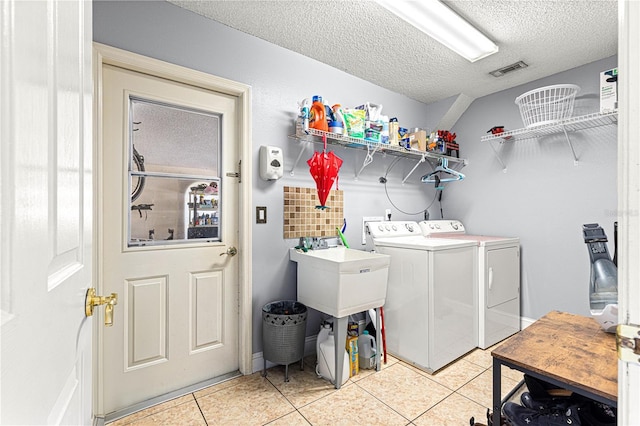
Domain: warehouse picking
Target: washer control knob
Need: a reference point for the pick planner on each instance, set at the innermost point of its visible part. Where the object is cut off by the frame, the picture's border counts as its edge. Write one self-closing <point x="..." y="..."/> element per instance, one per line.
<point x="454" y="225"/>
<point x="381" y="228"/>
<point x="395" y="228"/>
<point x="409" y="227"/>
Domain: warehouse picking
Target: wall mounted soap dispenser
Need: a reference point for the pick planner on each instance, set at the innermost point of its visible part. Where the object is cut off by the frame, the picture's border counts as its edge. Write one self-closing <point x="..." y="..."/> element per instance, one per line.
<point x="271" y="162"/>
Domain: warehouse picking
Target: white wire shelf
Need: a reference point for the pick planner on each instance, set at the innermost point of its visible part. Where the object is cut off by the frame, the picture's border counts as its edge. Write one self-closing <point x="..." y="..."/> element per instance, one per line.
<point x="572" y="124"/>
<point x="371" y="147"/>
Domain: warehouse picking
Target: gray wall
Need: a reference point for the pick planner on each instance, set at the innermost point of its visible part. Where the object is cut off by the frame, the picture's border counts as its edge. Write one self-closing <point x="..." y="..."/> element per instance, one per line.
<point x="543" y="197"/>
<point x="279" y="78"/>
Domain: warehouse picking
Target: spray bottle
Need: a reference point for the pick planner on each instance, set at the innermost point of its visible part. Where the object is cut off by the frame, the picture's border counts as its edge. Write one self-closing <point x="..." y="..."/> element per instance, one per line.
<point x="337" y="113"/>
<point x="304" y="113"/>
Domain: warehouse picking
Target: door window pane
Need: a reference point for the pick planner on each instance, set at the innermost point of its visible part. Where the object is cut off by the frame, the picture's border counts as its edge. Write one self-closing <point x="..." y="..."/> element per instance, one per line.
<point x="174" y="139"/>
<point x="174" y="175"/>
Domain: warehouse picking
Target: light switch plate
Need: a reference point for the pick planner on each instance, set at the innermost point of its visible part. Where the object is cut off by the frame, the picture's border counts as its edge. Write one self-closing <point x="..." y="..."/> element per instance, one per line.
<point x="261" y="214"/>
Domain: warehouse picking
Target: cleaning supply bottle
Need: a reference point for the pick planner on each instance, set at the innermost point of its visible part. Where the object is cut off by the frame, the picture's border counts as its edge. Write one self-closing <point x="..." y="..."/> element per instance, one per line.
<point x="326" y="356"/>
<point x="317" y="115"/>
<point x="337" y="113"/>
<point x="304" y="114"/>
<point x="393" y="131"/>
<point x="366" y="350"/>
<point x="384" y="134"/>
<point x="325" y="329"/>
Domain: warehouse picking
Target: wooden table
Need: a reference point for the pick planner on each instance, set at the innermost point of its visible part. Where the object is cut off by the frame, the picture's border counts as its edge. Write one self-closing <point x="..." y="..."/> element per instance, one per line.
<point x="569" y="351"/>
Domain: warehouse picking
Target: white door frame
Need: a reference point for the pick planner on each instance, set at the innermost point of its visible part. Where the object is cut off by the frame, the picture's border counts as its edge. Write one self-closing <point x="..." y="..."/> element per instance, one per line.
<point x="629" y="198"/>
<point x="103" y="54"/>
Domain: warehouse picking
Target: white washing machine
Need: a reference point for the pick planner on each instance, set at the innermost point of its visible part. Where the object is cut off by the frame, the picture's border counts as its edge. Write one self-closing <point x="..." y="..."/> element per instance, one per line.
<point x="429" y="314"/>
<point x="498" y="279"/>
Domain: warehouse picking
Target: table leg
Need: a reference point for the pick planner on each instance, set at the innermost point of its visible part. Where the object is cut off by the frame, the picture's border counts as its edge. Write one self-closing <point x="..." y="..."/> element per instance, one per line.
<point x="497" y="392"/>
<point x="340" y="341"/>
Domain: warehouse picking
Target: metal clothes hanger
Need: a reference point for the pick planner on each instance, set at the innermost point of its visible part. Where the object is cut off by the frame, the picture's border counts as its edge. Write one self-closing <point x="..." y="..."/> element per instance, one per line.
<point x="443" y="167"/>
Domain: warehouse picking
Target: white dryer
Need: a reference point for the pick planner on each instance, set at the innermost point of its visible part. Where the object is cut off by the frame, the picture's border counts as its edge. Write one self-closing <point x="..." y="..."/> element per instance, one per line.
<point x="429" y="314"/>
<point x="498" y="279"/>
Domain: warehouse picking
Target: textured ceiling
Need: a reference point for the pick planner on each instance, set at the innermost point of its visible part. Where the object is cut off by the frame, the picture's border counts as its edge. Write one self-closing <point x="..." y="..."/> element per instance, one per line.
<point x="365" y="40"/>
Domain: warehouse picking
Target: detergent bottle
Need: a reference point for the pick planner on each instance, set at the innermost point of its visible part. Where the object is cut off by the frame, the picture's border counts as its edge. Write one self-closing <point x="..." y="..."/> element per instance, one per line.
<point x="326" y="356"/>
<point x="366" y="350"/>
<point x="317" y="115"/>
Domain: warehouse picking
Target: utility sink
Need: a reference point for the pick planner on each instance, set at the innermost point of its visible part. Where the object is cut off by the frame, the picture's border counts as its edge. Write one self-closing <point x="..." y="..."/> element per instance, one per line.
<point x="340" y="281"/>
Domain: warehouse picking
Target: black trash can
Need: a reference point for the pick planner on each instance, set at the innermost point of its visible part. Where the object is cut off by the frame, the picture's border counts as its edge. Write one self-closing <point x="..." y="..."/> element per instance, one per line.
<point x="283" y="332"/>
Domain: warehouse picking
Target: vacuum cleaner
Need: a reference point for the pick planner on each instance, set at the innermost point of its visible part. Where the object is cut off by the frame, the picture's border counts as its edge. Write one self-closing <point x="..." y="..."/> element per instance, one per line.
<point x="603" y="283"/>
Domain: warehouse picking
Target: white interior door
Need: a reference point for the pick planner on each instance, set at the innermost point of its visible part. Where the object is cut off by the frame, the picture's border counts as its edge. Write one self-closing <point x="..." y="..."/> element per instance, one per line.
<point x="46" y="216"/>
<point x="176" y="322"/>
<point x="629" y="201"/>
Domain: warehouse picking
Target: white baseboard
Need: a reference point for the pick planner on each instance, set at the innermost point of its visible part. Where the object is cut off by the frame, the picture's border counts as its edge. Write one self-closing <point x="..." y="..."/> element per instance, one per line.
<point x="258" y="359"/>
<point x="525" y="322"/>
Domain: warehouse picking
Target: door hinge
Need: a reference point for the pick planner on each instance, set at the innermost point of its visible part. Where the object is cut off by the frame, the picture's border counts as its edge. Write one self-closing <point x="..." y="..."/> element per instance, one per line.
<point x="628" y="343"/>
<point x="236" y="174"/>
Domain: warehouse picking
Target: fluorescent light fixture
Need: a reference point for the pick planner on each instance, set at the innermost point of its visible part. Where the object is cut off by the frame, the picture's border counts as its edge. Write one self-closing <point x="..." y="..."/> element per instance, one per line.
<point x="444" y="25"/>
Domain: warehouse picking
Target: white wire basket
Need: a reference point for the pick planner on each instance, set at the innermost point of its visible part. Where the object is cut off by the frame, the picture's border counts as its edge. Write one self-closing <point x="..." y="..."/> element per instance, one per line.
<point x="547" y="105"/>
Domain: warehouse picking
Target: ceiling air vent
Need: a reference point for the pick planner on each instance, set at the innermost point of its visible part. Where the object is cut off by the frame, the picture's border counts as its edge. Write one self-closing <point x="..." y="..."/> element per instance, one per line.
<point x="509" y="68"/>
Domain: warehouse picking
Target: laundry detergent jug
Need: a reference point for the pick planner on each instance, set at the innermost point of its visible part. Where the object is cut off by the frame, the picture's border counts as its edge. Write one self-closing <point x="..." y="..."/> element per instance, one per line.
<point x="317" y="115"/>
<point x="326" y="356"/>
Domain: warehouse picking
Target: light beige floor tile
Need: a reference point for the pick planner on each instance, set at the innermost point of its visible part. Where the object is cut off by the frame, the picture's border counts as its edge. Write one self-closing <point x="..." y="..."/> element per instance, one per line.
<point x="303" y="387"/>
<point x="187" y="414"/>
<point x="292" y="419"/>
<point x="404" y="390"/>
<point x="366" y="373"/>
<point x="455" y="375"/>
<point x="455" y="410"/>
<point x="223" y="385"/>
<point x="480" y="388"/>
<point x="250" y="402"/>
<point x="152" y="410"/>
<point x="479" y="357"/>
<point x="348" y="406"/>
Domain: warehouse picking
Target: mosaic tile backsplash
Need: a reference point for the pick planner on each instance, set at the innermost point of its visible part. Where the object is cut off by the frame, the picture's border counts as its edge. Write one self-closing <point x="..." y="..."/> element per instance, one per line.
<point x="302" y="219"/>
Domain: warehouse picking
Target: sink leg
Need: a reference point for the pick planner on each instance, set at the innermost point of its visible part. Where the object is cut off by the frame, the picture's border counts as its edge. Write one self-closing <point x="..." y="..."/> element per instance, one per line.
<point x="339" y="340"/>
<point x="378" y="338"/>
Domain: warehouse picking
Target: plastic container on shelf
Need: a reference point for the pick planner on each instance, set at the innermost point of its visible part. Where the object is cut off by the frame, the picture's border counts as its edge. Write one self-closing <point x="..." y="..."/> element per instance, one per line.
<point x="547" y="105"/>
<point x="393" y="131"/>
<point x="337" y="113"/>
<point x="336" y="127"/>
<point x="317" y="115"/>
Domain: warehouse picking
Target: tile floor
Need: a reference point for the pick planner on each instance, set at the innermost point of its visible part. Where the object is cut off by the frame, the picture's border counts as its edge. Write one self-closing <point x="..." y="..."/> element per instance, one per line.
<point x="398" y="394"/>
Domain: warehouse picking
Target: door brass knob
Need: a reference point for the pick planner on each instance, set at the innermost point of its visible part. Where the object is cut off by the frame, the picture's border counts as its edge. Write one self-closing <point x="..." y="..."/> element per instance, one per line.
<point x="231" y="251"/>
<point x="91" y="300"/>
